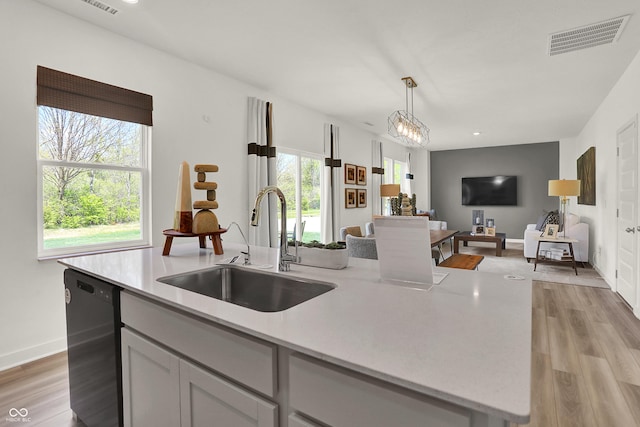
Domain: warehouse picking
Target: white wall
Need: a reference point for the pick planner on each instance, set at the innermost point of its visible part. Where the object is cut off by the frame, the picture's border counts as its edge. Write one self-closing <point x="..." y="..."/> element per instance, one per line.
<point x="617" y="109"/>
<point x="31" y="298"/>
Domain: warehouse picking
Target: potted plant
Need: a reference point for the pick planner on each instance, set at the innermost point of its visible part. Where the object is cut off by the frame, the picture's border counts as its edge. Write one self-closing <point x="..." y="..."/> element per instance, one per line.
<point x="315" y="254"/>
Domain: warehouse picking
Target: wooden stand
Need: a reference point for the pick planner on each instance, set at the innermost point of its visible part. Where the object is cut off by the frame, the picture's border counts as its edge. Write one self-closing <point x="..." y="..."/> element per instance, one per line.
<point x="215" y="239"/>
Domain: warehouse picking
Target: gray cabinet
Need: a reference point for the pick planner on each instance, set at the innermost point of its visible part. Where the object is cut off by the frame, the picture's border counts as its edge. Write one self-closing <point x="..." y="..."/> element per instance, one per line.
<point x="209" y="400"/>
<point x="342" y="398"/>
<point x="151" y="384"/>
<point x="161" y="389"/>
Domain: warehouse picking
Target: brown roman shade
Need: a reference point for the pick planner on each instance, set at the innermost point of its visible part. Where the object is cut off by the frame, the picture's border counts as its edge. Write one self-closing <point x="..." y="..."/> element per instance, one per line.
<point x="68" y="92"/>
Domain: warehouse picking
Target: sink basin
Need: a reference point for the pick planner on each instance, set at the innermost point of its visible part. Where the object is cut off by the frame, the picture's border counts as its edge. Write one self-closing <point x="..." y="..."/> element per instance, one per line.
<point x="259" y="291"/>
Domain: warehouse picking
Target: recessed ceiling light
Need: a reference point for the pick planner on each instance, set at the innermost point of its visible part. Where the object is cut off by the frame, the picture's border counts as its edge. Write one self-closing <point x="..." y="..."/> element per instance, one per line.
<point x="476" y="133"/>
<point x="130" y="1"/>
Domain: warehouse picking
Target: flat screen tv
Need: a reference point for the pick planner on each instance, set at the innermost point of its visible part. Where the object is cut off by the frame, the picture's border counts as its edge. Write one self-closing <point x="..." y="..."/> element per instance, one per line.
<point x="497" y="190"/>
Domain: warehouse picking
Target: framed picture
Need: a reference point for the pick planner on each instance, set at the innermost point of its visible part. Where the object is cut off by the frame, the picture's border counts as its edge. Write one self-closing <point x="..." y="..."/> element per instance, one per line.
<point x="490" y="231"/>
<point x="362" y="175"/>
<point x="362" y="198"/>
<point x="349" y="174"/>
<point x="350" y="197"/>
<point x="551" y="231"/>
<point x="477" y="230"/>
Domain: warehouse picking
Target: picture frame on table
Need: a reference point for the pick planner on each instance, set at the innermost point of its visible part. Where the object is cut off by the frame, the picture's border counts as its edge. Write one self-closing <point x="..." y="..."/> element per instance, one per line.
<point x="477" y="230"/>
<point x="490" y="231"/>
<point x="361" y="174"/>
<point x="551" y="231"/>
<point x="349" y="173"/>
<point x="350" y="200"/>
<point x="362" y="198"/>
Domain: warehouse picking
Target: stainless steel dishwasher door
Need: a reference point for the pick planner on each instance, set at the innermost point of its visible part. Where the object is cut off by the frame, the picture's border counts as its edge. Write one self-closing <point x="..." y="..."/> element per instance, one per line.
<point x="93" y="347"/>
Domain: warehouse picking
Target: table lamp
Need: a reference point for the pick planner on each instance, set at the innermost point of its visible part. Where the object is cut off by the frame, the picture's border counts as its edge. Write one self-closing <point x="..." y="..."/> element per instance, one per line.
<point x="389" y="190"/>
<point x="564" y="188"/>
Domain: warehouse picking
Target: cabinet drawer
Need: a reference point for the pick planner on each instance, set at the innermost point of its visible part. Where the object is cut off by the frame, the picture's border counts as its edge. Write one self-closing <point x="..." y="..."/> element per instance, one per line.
<point x="245" y="359"/>
<point x="339" y="397"/>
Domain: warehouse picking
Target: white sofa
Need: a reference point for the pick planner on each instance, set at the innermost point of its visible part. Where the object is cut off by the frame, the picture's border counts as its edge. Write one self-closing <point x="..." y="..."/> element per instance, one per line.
<point x="574" y="230"/>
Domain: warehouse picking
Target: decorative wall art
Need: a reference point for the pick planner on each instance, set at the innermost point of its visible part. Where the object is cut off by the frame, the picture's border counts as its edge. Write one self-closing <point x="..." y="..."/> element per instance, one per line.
<point x="349" y="173"/>
<point x="350" y="198"/>
<point x="362" y="175"/>
<point x="587" y="176"/>
<point x="362" y="198"/>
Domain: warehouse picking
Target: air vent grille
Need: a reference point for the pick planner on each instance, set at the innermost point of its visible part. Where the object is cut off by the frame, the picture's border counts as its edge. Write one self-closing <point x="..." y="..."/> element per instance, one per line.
<point x="102" y="6"/>
<point x="597" y="34"/>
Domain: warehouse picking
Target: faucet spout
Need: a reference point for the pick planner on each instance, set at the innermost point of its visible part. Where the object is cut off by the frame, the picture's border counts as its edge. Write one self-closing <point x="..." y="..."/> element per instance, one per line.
<point x="285" y="257"/>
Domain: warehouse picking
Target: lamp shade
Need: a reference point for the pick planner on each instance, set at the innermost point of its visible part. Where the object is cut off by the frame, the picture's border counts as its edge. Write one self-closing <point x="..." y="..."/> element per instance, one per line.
<point x="389" y="190"/>
<point x="564" y="187"/>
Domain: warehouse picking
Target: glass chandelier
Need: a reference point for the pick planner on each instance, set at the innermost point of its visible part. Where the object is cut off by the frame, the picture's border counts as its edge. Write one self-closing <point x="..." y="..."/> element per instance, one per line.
<point x="403" y="125"/>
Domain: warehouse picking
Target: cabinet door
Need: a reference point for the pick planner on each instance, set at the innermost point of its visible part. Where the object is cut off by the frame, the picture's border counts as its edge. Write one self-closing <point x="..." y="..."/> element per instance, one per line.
<point x="206" y="398"/>
<point x="150" y="383"/>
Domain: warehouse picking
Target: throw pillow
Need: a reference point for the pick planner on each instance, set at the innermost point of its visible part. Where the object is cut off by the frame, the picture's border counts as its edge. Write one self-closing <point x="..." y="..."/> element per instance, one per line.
<point x="541" y="220"/>
<point x="552" y="218"/>
<point x="354" y="231"/>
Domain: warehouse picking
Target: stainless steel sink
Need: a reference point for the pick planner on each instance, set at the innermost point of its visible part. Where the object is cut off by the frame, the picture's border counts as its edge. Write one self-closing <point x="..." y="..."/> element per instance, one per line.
<point x="259" y="291"/>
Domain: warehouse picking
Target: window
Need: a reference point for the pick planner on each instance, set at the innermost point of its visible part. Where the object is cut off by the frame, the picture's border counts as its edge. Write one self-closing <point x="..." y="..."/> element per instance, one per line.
<point x="299" y="176"/>
<point x="93" y="173"/>
<point x="394" y="173"/>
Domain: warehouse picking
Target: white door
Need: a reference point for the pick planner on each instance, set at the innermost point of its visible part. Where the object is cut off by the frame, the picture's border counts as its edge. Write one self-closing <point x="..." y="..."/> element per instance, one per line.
<point x="627" y="159"/>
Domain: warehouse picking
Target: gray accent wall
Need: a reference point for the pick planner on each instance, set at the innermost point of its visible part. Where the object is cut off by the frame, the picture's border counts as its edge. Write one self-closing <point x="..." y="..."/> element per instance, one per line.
<point x="533" y="164"/>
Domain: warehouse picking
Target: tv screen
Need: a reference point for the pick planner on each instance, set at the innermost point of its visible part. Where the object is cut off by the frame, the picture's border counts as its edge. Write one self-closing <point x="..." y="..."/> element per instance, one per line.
<point x="490" y="191"/>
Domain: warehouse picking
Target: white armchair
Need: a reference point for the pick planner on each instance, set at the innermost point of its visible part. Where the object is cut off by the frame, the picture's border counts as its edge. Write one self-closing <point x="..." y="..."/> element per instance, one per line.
<point x="574" y="229"/>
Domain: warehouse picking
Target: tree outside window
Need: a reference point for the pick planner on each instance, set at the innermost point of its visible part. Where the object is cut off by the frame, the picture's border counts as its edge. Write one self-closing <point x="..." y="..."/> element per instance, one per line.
<point x="92" y="175"/>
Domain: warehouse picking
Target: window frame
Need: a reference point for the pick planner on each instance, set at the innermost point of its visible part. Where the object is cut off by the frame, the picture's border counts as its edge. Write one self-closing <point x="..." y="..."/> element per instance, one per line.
<point x="145" y="199"/>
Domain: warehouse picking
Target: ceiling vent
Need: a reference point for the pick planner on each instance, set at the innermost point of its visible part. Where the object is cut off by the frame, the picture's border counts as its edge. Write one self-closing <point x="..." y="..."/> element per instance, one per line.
<point x="605" y="32"/>
<point x="103" y="7"/>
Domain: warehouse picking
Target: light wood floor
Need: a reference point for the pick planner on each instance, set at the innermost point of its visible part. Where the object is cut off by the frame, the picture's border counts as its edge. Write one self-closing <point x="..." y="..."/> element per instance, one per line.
<point x="585" y="366"/>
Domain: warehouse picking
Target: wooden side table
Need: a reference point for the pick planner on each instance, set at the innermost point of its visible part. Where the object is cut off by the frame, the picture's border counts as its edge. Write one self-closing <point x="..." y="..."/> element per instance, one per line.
<point x="215" y="239"/>
<point x="567" y="241"/>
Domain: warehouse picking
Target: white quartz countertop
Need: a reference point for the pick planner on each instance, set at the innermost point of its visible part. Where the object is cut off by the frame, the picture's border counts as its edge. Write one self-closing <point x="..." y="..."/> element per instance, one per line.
<point x="466" y="340"/>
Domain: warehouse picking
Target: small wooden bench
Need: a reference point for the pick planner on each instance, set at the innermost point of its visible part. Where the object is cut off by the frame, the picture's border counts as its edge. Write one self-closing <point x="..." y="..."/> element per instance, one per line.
<point x="464" y="261"/>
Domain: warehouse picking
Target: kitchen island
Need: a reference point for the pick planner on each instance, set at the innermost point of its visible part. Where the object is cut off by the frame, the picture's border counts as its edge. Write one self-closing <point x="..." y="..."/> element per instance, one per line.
<point x="457" y="353"/>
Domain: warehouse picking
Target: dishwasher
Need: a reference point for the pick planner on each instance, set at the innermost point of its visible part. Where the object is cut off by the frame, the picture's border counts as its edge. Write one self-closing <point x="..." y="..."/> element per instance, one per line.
<point x="93" y="348"/>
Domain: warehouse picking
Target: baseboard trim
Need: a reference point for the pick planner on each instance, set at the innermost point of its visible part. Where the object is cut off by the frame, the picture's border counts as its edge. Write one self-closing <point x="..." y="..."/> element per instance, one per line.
<point x="26" y="355"/>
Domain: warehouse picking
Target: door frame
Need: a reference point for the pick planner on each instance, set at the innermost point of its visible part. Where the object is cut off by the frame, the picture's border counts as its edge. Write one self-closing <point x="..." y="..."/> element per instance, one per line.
<point x="635" y="305"/>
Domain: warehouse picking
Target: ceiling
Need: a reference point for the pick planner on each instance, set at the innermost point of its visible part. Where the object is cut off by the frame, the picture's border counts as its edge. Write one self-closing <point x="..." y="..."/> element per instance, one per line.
<point x="480" y="65"/>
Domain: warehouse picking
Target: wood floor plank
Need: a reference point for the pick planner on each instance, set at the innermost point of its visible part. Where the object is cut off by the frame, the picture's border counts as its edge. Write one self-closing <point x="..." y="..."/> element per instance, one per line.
<point x="537" y="295"/>
<point x="585" y="297"/>
<point x="543" y="408"/>
<point x="624" y="366"/>
<point x="550" y="302"/>
<point x="609" y="405"/>
<point x="539" y="332"/>
<point x="582" y="333"/>
<point x="636" y="354"/>
<point x="567" y="298"/>
<point x="564" y="356"/>
<point x="632" y="395"/>
<point x="572" y="400"/>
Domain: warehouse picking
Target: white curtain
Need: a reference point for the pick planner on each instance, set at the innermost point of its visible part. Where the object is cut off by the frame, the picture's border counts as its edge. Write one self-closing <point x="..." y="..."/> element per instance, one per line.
<point x="330" y="207"/>
<point x="408" y="175"/>
<point x="262" y="171"/>
<point x="377" y="166"/>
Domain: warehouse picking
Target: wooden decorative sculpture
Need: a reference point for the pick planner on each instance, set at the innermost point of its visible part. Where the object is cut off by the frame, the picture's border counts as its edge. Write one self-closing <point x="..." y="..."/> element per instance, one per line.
<point x="205" y="221"/>
<point x="183" y="219"/>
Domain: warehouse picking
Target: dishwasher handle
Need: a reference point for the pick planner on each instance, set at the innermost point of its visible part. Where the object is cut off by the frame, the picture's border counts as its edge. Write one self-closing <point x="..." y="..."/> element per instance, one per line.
<point x="85" y="287"/>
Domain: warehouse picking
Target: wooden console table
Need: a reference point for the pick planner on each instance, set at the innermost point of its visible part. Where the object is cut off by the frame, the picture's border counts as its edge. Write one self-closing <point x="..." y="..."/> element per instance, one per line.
<point x="215" y="239"/>
<point x="570" y="258"/>
<point x="465" y="236"/>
